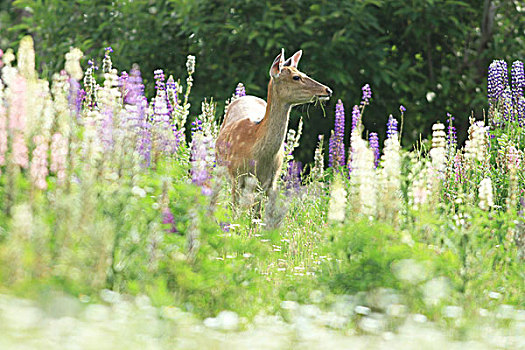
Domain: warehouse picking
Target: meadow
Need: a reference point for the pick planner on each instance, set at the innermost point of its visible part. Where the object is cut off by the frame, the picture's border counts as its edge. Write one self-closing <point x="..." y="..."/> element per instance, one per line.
<point x="116" y="223"/>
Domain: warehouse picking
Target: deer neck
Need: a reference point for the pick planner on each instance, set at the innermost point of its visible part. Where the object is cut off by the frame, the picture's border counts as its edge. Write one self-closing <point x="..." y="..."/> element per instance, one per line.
<point x="272" y="129"/>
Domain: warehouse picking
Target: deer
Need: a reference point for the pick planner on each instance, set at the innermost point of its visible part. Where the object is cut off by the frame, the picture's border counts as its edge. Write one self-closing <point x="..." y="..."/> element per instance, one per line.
<point x="251" y="138"/>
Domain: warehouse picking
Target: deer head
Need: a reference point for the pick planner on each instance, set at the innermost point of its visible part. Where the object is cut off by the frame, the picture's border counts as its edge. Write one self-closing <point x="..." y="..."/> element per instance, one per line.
<point x="292" y="86"/>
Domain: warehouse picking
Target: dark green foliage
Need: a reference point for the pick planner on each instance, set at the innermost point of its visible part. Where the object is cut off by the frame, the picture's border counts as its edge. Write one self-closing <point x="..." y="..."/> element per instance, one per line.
<point x="403" y="49"/>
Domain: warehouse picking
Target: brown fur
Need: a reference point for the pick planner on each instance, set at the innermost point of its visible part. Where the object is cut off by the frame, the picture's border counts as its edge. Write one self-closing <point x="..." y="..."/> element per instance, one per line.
<point x="247" y="146"/>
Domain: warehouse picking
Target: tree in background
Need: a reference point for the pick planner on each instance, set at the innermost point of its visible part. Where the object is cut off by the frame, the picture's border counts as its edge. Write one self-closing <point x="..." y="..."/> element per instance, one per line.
<point x="428" y="55"/>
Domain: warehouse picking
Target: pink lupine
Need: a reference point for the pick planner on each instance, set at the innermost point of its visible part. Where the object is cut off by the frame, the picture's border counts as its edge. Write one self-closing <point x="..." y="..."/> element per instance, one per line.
<point x="17" y="120"/>
<point x="19" y="151"/>
<point x="39" y="163"/>
<point x="17" y="104"/>
<point x="3" y="134"/>
<point x="59" y="152"/>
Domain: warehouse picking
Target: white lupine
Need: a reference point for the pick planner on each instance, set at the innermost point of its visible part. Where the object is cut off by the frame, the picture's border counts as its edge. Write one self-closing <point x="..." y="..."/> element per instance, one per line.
<point x="3" y="126"/>
<point x="337" y="204"/>
<point x="438" y="151"/>
<point x="60" y="91"/>
<point x="72" y="65"/>
<point x="476" y="145"/>
<point x="389" y="175"/>
<point x="318" y="168"/>
<point x="486" y="200"/>
<point x="26" y="58"/>
<point x="363" y="176"/>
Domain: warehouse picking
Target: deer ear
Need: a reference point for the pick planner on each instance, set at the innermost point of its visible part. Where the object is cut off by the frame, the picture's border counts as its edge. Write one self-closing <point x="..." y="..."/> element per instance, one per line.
<point x="294" y="60"/>
<point x="277" y="65"/>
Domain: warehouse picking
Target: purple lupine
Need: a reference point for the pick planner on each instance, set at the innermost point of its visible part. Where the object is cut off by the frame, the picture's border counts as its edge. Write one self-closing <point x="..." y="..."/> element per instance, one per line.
<point x="517" y="78"/>
<point x="136" y="105"/>
<point x="106" y="129"/>
<point x="497" y="80"/>
<point x="331" y="150"/>
<point x="171" y="92"/>
<point x="518" y="84"/>
<point x="391" y="127"/>
<point x="356" y="117"/>
<point x="402" y="109"/>
<point x="160" y="104"/>
<point x="451" y="134"/>
<point x="506" y="103"/>
<point x="106" y="62"/>
<point x="292" y="178"/>
<point x="367" y="95"/>
<point x="240" y="91"/>
<point x="373" y="141"/>
<point x="201" y="160"/>
<point x="169" y="219"/>
<point x="336" y="147"/>
<point x="196" y="126"/>
<point x="75" y="97"/>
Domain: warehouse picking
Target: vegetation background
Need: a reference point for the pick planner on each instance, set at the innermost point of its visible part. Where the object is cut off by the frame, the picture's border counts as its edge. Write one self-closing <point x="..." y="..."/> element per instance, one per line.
<point x="429" y="55"/>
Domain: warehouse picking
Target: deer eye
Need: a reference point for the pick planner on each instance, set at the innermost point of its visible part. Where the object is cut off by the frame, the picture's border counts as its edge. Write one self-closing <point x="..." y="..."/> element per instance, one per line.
<point x="296" y="77"/>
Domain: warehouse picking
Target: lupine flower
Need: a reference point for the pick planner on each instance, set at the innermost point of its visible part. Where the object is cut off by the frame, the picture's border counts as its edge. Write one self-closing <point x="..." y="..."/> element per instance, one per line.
<point x="367" y="95"/>
<point x="373" y="141"/>
<point x="160" y="105"/>
<point x="497" y="80"/>
<point x="75" y="97"/>
<point x="292" y="178"/>
<point x="389" y="177"/>
<point x="136" y="108"/>
<point x="451" y="134"/>
<point x="356" y="117"/>
<point x="318" y="168"/>
<point x="202" y="158"/>
<point x="459" y="169"/>
<point x="169" y="219"/>
<point x="438" y="152"/>
<point x="336" y="144"/>
<point x="363" y="177"/>
<point x="517" y="78"/>
<point x="72" y="65"/>
<point x="476" y="144"/>
<point x="518" y="83"/>
<point x="240" y="91"/>
<point x="402" y="109"/>
<point x="486" y="200"/>
<point x="391" y="127"/>
<point x="513" y="158"/>
<point x="190" y="64"/>
<point x="106" y="62"/>
<point x="26" y="58"/>
<point x="171" y="94"/>
<point x="59" y="151"/>
<point x="17" y="121"/>
<point x="3" y="125"/>
<point x="90" y="86"/>
<point x="337" y="203"/>
<point x="38" y="168"/>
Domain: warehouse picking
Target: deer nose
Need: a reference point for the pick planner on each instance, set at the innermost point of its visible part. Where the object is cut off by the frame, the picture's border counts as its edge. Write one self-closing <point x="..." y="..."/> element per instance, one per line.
<point x="329" y="91"/>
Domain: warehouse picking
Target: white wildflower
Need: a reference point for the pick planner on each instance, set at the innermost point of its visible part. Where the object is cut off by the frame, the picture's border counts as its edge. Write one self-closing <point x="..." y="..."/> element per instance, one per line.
<point x="437" y="153"/>
<point x="476" y="145"/>
<point x="72" y="65"/>
<point x="390" y="176"/>
<point x="486" y="200"/>
<point x="363" y="177"/>
<point x="337" y="205"/>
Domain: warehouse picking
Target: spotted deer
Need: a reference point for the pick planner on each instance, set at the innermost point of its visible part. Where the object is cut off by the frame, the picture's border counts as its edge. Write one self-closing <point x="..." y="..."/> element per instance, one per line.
<point x="251" y="137"/>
